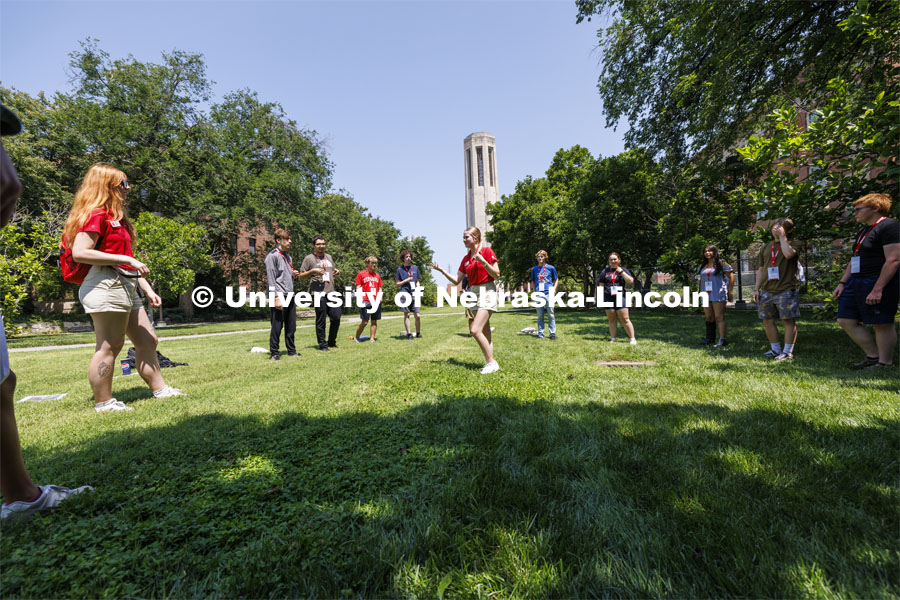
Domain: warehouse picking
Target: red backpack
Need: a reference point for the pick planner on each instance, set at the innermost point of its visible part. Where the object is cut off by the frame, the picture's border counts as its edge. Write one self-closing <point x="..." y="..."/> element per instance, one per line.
<point x="74" y="272"/>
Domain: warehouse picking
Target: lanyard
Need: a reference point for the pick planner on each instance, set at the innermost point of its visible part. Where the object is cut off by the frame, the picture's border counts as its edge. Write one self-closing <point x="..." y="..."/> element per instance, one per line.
<point x="286" y="259"/>
<point x="323" y="262"/>
<point x="541" y="274"/>
<point x="861" y="237"/>
<point x="409" y="272"/>
<point x="775" y="250"/>
<point x="708" y="271"/>
<point x="613" y="275"/>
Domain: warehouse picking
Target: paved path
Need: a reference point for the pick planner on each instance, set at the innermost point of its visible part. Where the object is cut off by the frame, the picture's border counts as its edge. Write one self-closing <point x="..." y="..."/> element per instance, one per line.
<point x="203" y="335"/>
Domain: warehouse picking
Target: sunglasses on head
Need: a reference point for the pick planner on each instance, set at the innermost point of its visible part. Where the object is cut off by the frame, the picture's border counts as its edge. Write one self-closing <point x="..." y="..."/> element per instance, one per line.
<point x="125" y="185"/>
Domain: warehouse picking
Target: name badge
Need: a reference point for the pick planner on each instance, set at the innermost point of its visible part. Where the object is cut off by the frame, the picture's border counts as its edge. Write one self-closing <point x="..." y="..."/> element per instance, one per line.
<point x="854" y="264"/>
<point x="773" y="273"/>
<point x="326" y="277"/>
<point x="115" y="224"/>
<point x="707" y="286"/>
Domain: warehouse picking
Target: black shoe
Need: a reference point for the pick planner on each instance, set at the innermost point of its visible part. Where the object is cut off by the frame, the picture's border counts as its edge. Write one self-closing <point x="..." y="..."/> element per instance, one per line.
<point x="552" y="336"/>
<point x="275" y="357"/>
<point x="705" y="342"/>
<point x="865" y="363"/>
<point x="418" y="335"/>
<point x="332" y="345"/>
<point x="409" y="336"/>
<point x="323" y="348"/>
<point x="294" y="354"/>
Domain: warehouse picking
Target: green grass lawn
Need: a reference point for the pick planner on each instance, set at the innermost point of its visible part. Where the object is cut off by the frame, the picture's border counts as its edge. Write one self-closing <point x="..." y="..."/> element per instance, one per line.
<point x="395" y="469"/>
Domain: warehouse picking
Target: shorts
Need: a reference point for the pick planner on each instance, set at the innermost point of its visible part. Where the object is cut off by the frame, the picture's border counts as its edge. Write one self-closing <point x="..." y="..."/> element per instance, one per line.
<point x="4" y="355"/>
<point x="488" y="298"/>
<point x="106" y="290"/>
<point x="613" y="302"/>
<point x="852" y="303"/>
<point x="365" y="315"/>
<point x="784" y="304"/>
<point x="413" y="307"/>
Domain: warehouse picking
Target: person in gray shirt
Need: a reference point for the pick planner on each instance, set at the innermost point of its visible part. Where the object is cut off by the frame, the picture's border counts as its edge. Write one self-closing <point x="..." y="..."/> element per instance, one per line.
<point x="319" y="268"/>
<point x="281" y="272"/>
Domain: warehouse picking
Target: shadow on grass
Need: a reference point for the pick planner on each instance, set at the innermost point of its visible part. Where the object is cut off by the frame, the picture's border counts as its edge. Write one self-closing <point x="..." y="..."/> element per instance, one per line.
<point x="524" y="499"/>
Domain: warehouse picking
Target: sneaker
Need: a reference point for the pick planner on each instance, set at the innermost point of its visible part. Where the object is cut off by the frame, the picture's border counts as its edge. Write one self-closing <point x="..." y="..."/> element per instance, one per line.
<point x="705" y="342"/>
<point x="355" y="339"/>
<point x="167" y="392"/>
<point x="771" y="354"/>
<point x="633" y="342"/>
<point x="612" y="340"/>
<point x="275" y="357"/>
<point x="721" y="343"/>
<point x="552" y="336"/>
<point x="295" y="354"/>
<point x="878" y="365"/>
<point x="372" y="340"/>
<point x="409" y="336"/>
<point x="418" y="335"/>
<point x="491" y="367"/>
<point x="51" y="496"/>
<point x="323" y="348"/>
<point x="111" y="405"/>
<point x="540" y="336"/>
<point x="865" y="363"/>
<point x="492" y="328"/>
<point x="784" y="356"/>
<point x="330" y="345"/>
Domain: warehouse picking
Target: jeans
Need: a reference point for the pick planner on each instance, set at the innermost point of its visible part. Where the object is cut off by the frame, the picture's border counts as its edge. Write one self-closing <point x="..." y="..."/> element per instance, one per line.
<point x="286" y="317"/>
<point x="541" y="310"/>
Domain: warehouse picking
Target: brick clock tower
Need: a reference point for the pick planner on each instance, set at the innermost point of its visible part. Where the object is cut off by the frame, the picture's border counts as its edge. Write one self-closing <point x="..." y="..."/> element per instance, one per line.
<point x="480" y="155"/>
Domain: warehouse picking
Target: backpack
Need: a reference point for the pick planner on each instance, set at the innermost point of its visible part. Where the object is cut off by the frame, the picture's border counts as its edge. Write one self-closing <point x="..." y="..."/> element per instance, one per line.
<point x="164" y="362"/>
<point x="74" y="272"/>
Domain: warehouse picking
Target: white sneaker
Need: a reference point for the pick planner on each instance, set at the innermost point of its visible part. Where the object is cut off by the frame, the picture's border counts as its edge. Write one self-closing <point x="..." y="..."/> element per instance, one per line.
<point x="491" y="367"/>
<point x="111" y="405"/>
<point x="51" y="496"/>
<point x="166" y="392"/>
<point x="612" y="340"/>
<point x="633" y="342"/>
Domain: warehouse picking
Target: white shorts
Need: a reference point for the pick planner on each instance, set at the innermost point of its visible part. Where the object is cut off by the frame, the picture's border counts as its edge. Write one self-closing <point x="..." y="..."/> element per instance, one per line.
<point x="4" y="355"/>
<point x="489" y="300"/>
<point x="106" y="290"/>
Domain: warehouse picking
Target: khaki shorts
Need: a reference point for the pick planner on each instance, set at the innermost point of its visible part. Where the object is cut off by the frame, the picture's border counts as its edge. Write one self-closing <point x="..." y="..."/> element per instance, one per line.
<point x="489" y="300"/>
<point x="105" y="290"/>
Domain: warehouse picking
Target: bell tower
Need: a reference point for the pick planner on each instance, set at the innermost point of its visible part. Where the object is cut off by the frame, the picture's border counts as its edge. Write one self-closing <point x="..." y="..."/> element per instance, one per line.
<point x="480" y="156"/>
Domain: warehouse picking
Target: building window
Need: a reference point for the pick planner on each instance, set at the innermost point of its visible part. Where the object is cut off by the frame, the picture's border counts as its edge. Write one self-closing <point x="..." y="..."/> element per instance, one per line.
<point x="469" y="167"/>
<point x="491" y="164"/>
<point x="252" y="242"/>
<point x="479" y="156"/>
<point x="813" y="116"/>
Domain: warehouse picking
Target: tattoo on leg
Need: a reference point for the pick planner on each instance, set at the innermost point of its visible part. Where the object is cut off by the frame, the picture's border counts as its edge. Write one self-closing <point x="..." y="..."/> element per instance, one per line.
<point x="103" y="369"/>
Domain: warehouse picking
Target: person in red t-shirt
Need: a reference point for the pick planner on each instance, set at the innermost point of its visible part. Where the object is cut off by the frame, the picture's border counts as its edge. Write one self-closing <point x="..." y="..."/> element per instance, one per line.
<point x="99" y="233"/>
<point x="369" y="282"/>
<point x="480" y="266"/>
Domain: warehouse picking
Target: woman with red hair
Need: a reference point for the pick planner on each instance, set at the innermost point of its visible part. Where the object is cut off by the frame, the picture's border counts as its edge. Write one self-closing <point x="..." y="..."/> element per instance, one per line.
<point x="100" y="234"/>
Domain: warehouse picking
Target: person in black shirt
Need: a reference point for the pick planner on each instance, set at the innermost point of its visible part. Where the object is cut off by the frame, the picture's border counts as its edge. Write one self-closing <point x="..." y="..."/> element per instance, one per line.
<point x="614" y="278"/>
<point x="869" y="290"/>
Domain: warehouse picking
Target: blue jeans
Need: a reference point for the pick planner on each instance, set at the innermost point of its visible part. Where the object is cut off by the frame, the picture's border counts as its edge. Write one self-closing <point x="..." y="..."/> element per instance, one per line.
<point x="541" y="310"/>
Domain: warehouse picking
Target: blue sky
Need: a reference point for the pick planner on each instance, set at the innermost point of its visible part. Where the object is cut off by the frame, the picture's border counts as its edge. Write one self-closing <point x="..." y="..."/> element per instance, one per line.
<point x="392" y="88"/>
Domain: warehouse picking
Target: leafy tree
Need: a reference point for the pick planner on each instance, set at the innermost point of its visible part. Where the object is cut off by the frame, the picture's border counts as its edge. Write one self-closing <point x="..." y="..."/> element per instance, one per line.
<point x="173" y="252"/>
<point x="690" y="75"/>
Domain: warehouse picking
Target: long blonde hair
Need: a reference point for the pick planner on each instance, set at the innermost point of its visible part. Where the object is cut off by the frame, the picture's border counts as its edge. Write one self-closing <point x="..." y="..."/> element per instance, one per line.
<point x="100" y="188"/>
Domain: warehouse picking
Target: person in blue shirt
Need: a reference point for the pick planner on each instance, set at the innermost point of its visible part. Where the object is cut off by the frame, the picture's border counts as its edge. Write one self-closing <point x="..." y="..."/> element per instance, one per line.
<point x="717" y="280"/>
<point x="407" y="279"/>
<point x="544" y="279"/>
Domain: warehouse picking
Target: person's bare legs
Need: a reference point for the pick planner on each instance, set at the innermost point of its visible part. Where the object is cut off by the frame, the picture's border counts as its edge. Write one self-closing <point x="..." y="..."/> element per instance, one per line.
<point x="15" y="483"/>
<point x="611" y="317"/>
<point x="481" y="331"/>
<point x="719" y="315"/>
<point x="626" y="322"/>
<point x="771" y="330"/>
<point x="861" y="336"/>
<point x="109" y="330"/>
<point x="362" y="326"/>
<point x="710" y="314"/>
<point x="406" y="323"/>
<point x="886" y="340"/>
<point x="418" y="324"/>
<point x="140" y="332"/>
<point x="372" y="329"/>
<point x="790" y="331"/>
